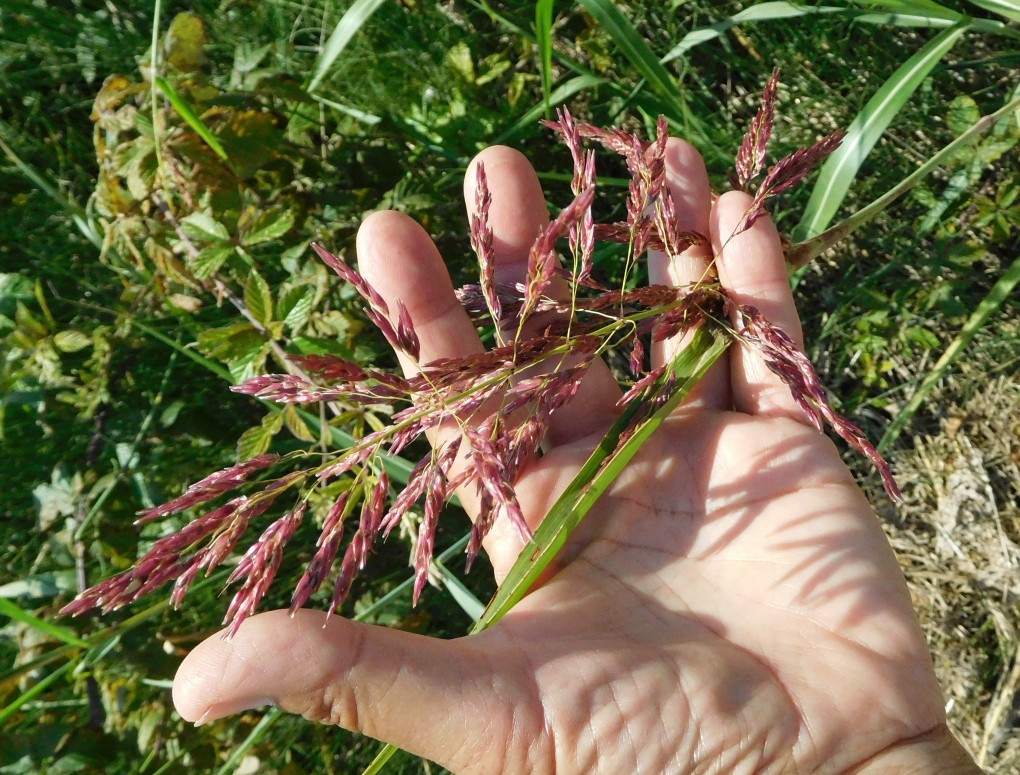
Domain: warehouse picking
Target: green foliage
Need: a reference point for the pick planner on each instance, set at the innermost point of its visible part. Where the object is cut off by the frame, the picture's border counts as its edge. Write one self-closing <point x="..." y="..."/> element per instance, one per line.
<point x="153" y="246"/>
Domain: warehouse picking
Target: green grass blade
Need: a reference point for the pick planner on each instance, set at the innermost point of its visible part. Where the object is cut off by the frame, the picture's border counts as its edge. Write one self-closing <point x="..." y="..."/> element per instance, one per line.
<point x="595" y="477"/>
<point x="18" y="614"/>
<point x="157" y="140"/>
<point x="543" y="33"/>
<point x="33" y="665"/>
<point x="756" y="13"/>
<point x="385" y="754"/>
<point x="34" y="691"/>
<point x="190" y="117"/>
<point x="800" y="254"/>
<point x="197" y="357"/>
<point x="633" y="46"/>
<point x="561" y="94"/>
<point x="1009" y="9"/>
<point x="841" y="168"/>
<point x="342" y="34"/>
<point x="992" y="302"/>
<point x="348" y="110"/>
<point x="77" y="213"/>
<point x="920" y="7"/>
<point x="984" y="26"/>
<point x="461" y="595"/>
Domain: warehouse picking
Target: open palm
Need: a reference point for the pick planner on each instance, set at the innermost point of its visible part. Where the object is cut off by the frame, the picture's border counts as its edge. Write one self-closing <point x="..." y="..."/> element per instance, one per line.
<point x="730" y="605"/>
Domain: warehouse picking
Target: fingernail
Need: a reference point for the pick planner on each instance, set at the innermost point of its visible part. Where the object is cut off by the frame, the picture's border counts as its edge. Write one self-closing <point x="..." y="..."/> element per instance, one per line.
<point x="221" y="709"/>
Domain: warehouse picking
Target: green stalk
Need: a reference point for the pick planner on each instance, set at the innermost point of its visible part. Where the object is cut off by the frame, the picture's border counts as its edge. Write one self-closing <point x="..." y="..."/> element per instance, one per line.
<point x="597" y="474"/>
<point x="256" y="734"/>
<point x="37" y="688"/>
<point x="153" y="75"/>
<point x="801" y="254"/>
<point x="18" y="614"/>
<point x="190" y="117"/>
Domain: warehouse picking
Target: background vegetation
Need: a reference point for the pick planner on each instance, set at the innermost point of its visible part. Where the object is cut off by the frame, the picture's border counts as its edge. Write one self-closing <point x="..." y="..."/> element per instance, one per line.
<point x="156" y="205"/>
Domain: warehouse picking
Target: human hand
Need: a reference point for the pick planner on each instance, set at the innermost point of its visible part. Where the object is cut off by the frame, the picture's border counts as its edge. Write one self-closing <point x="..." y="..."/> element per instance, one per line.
<point x="731" y="604"/>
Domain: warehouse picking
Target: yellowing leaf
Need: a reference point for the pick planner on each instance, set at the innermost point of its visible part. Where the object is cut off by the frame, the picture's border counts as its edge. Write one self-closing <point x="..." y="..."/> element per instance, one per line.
<point x="296" y="425"/>
<point x="199" y="226"/>
<point x="71" y="341"/>
<point x="458" y="59"/>
<point x="253" y="441"/>
<point x="185" y="43"/>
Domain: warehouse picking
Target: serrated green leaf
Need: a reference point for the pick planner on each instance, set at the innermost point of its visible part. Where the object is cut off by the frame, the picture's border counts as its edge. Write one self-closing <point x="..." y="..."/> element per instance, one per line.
<point x="258" y="298"/>
<point x="962" y="114"/>
<point x="273" y="422"/>
<point x="250" y="363"/>
<point x="268" y="226"/>
<point x="71" y="341"/>
<point x="296" y="425"/>
<point x="298" y="314"/>
<point x="841" y="168"/>
<point x="210" y="259"/>
<point x="253" y="441"/>
<point x="459" y="59"/>
<point x="203" y="227"/>
<point x="229" y="343"/>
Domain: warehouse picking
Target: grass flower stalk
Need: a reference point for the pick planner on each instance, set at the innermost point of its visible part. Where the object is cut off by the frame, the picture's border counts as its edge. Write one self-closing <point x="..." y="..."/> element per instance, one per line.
<point x="493" y="408"/>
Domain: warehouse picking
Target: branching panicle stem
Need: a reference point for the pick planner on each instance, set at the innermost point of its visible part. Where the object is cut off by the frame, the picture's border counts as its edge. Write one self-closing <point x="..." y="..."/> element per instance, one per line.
<point x="491" y="410"/>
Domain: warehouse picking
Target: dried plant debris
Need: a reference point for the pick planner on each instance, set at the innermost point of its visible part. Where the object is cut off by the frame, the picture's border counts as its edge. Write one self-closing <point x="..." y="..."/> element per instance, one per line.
<point x="957" y="536"/>
<point x="493" y="410"/>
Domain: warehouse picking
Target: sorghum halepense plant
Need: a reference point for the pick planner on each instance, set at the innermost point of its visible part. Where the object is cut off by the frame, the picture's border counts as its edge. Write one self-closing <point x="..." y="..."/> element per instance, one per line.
<point x="498" y="408"/>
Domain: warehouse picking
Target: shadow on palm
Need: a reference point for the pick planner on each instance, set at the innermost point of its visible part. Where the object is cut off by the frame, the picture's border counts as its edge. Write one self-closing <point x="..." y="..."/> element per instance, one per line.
<point x="734" y="558"/>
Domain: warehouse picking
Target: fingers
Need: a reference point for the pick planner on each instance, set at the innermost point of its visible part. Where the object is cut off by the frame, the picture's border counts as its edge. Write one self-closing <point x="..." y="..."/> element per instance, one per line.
<point x="752" y="268"/>
<point x="688" y="184"/>
<point x="431" y="697"/>
<point x="398" y="258"/>
<point x="517" y="215"/>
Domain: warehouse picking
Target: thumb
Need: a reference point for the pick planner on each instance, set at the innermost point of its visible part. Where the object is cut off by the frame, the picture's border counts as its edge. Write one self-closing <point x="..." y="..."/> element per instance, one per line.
<point x="438" y="699"/>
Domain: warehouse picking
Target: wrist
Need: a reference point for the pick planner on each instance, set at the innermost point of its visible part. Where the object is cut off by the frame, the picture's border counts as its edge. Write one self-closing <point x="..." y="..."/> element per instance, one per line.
<point x="936" y="752"/>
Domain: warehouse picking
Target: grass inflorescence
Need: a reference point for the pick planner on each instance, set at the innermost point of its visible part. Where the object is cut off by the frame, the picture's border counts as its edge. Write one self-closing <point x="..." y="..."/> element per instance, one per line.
<point x="488" y="413"/>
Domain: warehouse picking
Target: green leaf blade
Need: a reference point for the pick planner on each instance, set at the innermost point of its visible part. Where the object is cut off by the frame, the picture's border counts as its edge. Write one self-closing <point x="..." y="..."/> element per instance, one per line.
<point x="342" y="34"/>
<point x="258" y="298"/>
<point x="596" y="475"/>
<point x="634" y="47"/>
<point x="191" y="118"/>
<point x="841" y="168"/>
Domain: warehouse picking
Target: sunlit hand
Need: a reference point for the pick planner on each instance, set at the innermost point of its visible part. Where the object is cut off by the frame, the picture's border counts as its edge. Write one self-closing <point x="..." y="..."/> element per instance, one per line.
<point x="731" y="604"/>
